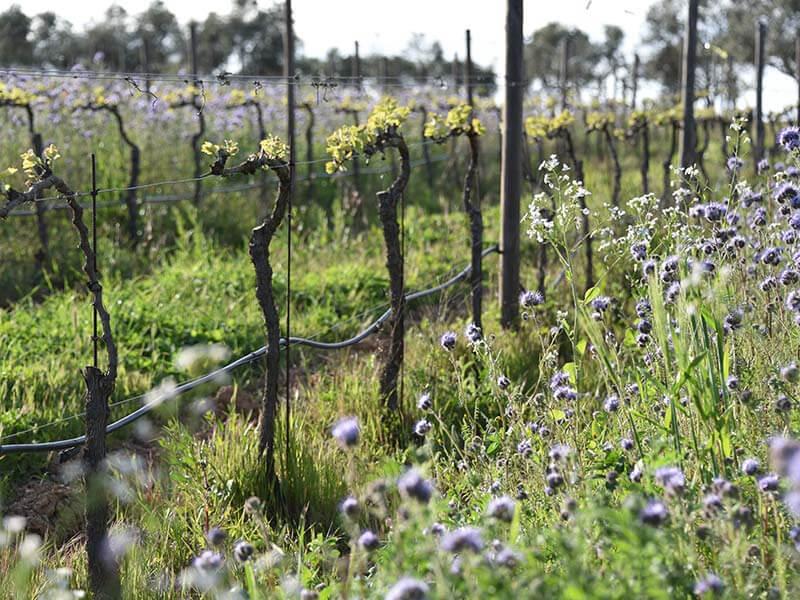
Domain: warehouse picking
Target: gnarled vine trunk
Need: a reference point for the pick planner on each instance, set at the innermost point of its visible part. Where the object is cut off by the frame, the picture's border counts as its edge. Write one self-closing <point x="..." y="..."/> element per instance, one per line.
<point x="612" y="148"/>
<point x="130" y="196"/>
<point x="103" y="571"/>
<point x="667" y="164"/>
<point x="387" y="209"/>
<point x="260" y="239"/>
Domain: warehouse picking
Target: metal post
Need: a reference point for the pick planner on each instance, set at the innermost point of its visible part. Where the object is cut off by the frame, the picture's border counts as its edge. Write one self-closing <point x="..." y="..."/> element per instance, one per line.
<point x="511" y="167"/>
<point x="193" y="47"/>
<point x="689" y="135"/>
<point x="468" y="69"/>
<point x="761" y="38"/>
<point x="636" y="65"/>
<point x="454" y="73"/>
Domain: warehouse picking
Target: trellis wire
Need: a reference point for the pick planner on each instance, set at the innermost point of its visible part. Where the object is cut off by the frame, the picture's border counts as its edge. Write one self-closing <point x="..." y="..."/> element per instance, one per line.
<point x="244" y="360"/>
<point x="169" y="198"/>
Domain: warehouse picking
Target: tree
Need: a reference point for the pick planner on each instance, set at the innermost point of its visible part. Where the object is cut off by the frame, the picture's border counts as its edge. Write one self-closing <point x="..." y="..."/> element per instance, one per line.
<point x="54" y="42"/>
<point x="543" y="56"/>
<point x="15" y="47"/>
<point x="158" y="28"/>
<point x="664" y="38"/>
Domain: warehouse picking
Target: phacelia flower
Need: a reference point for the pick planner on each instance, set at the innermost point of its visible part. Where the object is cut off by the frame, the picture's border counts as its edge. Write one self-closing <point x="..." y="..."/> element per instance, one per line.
<point x="412" y="485"/>
<point x="448" y="340"/>
<point x="502" y="509"/>
<point x="464" y="538"/>
<point x="789" y="138"/>
<point x="346" y="432"/>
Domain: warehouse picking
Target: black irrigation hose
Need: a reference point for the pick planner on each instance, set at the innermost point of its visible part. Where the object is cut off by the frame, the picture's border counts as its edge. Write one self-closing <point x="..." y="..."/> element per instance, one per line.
<point x="246" y="359"/>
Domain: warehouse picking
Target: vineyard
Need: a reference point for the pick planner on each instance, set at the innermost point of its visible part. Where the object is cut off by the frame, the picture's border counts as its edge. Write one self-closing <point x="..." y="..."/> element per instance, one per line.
<point x="398" y="337"/>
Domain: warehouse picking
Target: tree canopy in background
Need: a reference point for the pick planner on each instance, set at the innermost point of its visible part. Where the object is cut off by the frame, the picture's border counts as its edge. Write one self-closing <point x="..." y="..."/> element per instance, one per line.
<point x="249" y="39"/>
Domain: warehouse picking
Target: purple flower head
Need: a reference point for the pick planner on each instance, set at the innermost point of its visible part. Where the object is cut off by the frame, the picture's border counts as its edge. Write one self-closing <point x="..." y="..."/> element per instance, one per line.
<point x="422" y="427"/>
<point x="524" y="448"/>
<point x="346" y="432"/>
<point x="408" y="588"/>
<point x="464" y="538"/>
<point x="208" y="560"/>
<point x="771" y="256"/>
<point x="710" y="585"/>
<point x="790" y="372"/>
<point x="611" y="404"/>
<point x="559" y="452"/>
<point x="216" y="536"/>
<point x="626" y="444"/>
<point x="793" y="300"/>
<point x="601" y="303"/>
<point x="559" y="378"/>
<point x="368" y="541"/>
<point x="424" y="402"/>
<point x="715" y="211"/>
<point x="502" y="509"/>
<point x="734" y="163"/>
<point x="750" y="466"/>
<point x="786" y="193"/>
<point x="789" y="277"/>
<point x="655" y="513"/>
<point x="639" y="250"/>
<point x="789" y="138"/>
<point x="768" y="482"/>
<point x="671" y="479"/>
<point x="412" y="485"/>
<point x="503" y="382"/>
<point x="643" y="308"/>
<point x="243" y="551"/>
<point x="762" y="166"/>
<point x="448" y="340"/>
<point x="349" y="507"/>
<point x="472" y="333"/>
<point x="565" y="392"/>
<point x="529" y="299"/>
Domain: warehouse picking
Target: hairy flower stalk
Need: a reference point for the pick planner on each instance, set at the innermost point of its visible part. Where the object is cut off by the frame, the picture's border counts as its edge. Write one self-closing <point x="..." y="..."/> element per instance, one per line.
<point x="103" y="571"/>
<point x="272" y="155"/>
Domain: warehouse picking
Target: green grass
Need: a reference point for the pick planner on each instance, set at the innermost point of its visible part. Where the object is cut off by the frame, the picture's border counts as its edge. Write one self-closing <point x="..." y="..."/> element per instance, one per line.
<point x="194" y="284"/>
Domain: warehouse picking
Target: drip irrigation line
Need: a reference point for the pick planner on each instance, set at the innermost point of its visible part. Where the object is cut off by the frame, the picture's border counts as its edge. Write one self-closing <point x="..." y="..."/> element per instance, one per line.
<point x="244" y="360"/>
<point x="116" y="404"/>
<point x="169" y="198"/>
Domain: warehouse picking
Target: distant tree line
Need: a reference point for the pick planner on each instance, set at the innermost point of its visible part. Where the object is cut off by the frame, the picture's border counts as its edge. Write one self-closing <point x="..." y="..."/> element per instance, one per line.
<point x="725" y="48"/>
<point x="248" y="40"/>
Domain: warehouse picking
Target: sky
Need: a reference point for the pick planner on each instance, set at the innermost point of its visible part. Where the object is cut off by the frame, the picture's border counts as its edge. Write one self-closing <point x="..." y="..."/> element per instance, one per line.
<point x="385" y="27"/>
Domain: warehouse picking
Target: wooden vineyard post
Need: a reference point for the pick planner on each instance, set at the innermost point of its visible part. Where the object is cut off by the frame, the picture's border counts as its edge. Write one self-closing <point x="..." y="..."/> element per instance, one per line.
<point x="688" y="135"/>
<point x="511" y="168"/>
<point x="288" y="72"/>
<point x="468" y="70"/>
